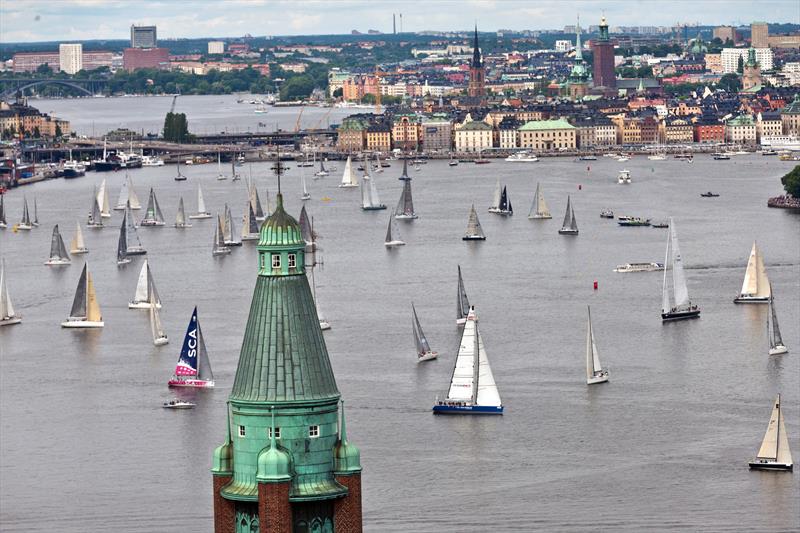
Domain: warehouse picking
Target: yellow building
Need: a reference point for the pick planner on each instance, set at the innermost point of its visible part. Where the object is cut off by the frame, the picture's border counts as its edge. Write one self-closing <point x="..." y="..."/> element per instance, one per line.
<point x="547" y="135"/>
<point x="473" y="137"/>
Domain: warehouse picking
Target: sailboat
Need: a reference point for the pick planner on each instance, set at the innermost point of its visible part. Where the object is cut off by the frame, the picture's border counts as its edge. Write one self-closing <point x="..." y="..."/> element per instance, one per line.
<point x="156" y="328"/>
<point x="58" y="252"/>
<point x="392" y="240"/>
<point x="146" y="294"/>
<point x="102" y="200"/>
<point x="35" y="213"/>
<point x="539" y="207"/>
<point x="220" y="175"/>
<point x="219" y="241"/>
<point x="405" y="206"/>
<point x="95" y="220"/>
<point x="25" y="223"/>
<point x="404" y="176"/>
<point x="682" y="307"/>
<point x="756" y="287"/>
<point x="8" y="316"/>
<point x="462" y="302"/>
<point x="235" y="175"/>
<point x="595" y="373"/>
<point x="152" y="215"/>
<point x="774" y="453"/>
<point x="776" y="346"/>
<point x="249" y="224"/>
<point x="178" y="175"/>
<point x="305" y="230"/>
<point x="321" y="172"/>
<point x="127" y="195"/>
<point x="193" y="368"/>
<point x="349" y="178"/>
<point x="129" y="243"/>
<point x="501" y="203"/>
<point x="228" y="229"/>
<point x="77" y="246"/>
<point x="474" y="231"/>
<point x="306" y="195"/>
<point x="3" y="221"/>
<point x="85" y="312"/>
<point x="472" y="387"/>
<point x="180" y="216"/>
<point x="202" y="212"/>
<point x="424" y="352"/>
<point x="569" y="226"/>
<point x="324" y="325"/>
<point x="369" y="194"/>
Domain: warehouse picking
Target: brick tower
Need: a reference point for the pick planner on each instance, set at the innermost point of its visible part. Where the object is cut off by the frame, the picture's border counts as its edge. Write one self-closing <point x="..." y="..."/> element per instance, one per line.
<point x="603" y="63"/>
<point x="286" y="465"/>
<point x="477" y="72"/>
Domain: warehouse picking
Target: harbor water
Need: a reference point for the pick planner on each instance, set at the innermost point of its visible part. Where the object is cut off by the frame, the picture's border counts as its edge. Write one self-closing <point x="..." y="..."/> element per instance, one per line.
<point x="664" y="445"/>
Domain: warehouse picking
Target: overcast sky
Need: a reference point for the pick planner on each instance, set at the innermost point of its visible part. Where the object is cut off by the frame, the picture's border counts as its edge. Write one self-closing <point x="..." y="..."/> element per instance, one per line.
<point x="49" y="20"/>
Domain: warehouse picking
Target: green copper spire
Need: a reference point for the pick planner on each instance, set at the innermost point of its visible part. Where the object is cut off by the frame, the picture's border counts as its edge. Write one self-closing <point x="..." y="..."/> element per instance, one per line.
<point x="578" y="45"/>
<point x="274" y="464"/>
<point x="751" y="58"/>
<point x="348" y="456"/>
<point x="222" y="462"/>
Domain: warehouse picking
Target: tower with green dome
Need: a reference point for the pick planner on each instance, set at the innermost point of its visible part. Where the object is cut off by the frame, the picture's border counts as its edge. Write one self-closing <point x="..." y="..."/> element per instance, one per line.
<point x="286" y="465"/>
<point x="578" y="80"/>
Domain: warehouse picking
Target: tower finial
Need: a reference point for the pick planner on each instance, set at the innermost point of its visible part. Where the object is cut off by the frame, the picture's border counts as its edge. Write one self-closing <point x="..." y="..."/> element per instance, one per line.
<point x="272" y="429"/>
<point x="342" y="428"/>
<point x="228" y="417"/>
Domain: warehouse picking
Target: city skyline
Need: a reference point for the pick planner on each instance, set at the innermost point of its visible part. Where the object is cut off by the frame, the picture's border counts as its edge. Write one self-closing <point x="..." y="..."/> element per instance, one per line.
<point x="70" y="20"/>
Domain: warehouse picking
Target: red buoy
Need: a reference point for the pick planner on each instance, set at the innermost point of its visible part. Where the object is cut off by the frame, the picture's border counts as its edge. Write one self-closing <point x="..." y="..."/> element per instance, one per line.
<point x="595" y="284"/>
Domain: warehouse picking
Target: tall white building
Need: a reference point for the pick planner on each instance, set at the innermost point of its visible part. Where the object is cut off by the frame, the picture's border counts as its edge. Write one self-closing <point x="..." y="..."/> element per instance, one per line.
<point x="216" y="47"/>
<point x="730" y="58"/>
<point x="70" y="58"/>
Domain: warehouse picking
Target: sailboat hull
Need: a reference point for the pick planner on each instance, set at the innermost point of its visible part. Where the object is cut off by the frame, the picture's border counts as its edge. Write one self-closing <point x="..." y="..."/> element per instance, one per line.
<point x="373" y="207"/>
<point x="427" y="356"/>
<point x="603" y="378"/>
<point x="196" y="383"/>
<point x="11" y="321"/>
<point x="57" y="262"/>
<point x="25" y="227"/>
<point x="136" y="251"/>
<point x="778" y="350"/>
<point x="539" y="217"/>
<point x="680" y="315"/>
<point x="405" y="217"/>
<point x="82" y="324"/>
<point x="305" y="197"/>
<point x="500" y="211"/>
<point x="221" y="251"/>
<point x="161" y="341"/>
<point x="444" y="409"/>
<point x="473" y="238"/>
<point x="324" y="325"/>
<point x="79" y="251"/>
<point x="348" y="186"/>
<point x="199" y="216"/>
<point x="461" y="321"/>
<point x="142" y="305"/>
<point x="744" y="299"/>
<point x="567" y="232"/>
<point x="770" y="465"/>
<point x="152" y="223"/>
<point x="392" y="244"/>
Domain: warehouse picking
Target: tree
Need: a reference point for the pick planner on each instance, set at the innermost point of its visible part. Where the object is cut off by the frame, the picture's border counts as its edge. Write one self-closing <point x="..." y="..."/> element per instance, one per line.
<point x="791" y="182"/>
<point x="338" y="93"/>
<point x="297" y="88"/>
<point x="59" y="133"/>
<point x="730" y="83"/>
<point x="740" y="65"/>
<point x="176" y="128"/>
<point x="44" y="70"/>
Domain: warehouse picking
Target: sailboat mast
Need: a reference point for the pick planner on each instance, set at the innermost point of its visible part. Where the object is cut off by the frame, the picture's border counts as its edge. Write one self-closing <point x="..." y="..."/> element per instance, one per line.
<point x="476" y="365"/>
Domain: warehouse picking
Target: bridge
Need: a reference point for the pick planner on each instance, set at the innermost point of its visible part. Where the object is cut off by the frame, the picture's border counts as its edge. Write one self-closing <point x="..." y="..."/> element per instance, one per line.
<point x="10" y="86"/>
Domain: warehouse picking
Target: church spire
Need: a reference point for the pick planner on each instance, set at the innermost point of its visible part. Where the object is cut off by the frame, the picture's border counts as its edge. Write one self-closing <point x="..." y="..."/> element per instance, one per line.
<point x="578" y="45"/>
<point x="476" y="51"/>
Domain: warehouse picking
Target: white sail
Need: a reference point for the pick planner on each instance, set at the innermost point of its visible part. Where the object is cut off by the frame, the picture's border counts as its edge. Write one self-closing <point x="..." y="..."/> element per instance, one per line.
<point x="679" y="290"/>
<point x="349" y="178"/>
<point x="102" y="200"/>
<point x="156" y="328"/>
<point x="141" y="293"/>
<point x="665" y="305"/>
<point x="539" y="207"/>
<point x="133" y="200"/>
<point x="488" y="395"/>
<point x="756" y="283"/>
<point x="180" y="216"/>
<point x="462" y="381"/>
<point x="775" y="446"/>
<point x="122" y="199"/>
<point x="77" y="245"/>
<point x="6" y="307"/>
<point x="201" y="204"/>
<point x="496" y="197"/>
<point x="474" y="229"/>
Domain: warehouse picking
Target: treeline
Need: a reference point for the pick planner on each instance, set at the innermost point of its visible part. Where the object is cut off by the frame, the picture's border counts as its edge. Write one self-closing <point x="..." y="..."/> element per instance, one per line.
<point x="151" y="81"/>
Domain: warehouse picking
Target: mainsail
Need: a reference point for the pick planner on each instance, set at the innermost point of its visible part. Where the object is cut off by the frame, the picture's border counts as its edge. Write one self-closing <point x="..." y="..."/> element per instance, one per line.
<point x="102" y="200"/>
<point x="26" y="217"/>
<point x="349" y="178"/>
<point x="122" y="243"/>
<point x="505" y="202"/>
<point x="201" y="204"/>
<point x="569" y="223"/>
<point x="773" y="330"/>
<point x="153" y="215"/>
<point x="78" y="246"/>
<point x="249" y="224"/>
<point x="123" y="198"/>
<point x="405" y="207"/>
<point x="419" y="337"/>
<point x="369" y="192"/>
<point x="592" y="357"/>
<point x="305" y="226"/>
<point x="94" y="215"/>
<point x="474" y="230"/>
<point x="775" y="446"/>
<point x="193" y="359"/>
<point x="539" y="207"/>
<point x="255" y="203"/>
<point x="131" y="235"/>
<point x="3" y="221"/>
<point x="228" y="229"/>
<point x="133" y="200"/>
<point x="92" y="307"/>
<point x="6" y="307"/>
<point x="462" y="302"/>
<point x="58" y="252"/>
<point x="680" y="292"/>
<point x="79" y="307"/>
<point x="756" y="283"/>
<point x="180" y="217"/>
<point x="497" y="196"/>
<point x="472" y="381"/>
<point x="156" y="328"/>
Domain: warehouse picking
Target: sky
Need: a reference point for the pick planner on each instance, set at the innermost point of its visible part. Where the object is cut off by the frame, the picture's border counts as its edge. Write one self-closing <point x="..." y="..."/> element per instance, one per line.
<point x="64" y="20"/>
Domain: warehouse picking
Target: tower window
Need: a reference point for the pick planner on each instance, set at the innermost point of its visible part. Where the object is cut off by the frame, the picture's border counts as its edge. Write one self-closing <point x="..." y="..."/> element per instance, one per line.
<point x="292" y="261"/>
<point x="276" y="261"/>
<point x="277" y="433"/>
<point x="313" y="431"/>
<point x="241" y="431"/>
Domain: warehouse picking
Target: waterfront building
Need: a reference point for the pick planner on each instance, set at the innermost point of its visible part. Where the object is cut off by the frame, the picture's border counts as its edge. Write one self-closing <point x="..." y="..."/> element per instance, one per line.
<point x="678" y="130"/>
<point x="473" y="136"/>
<point x="741" y="130"/>
<point x="759" y="35"/>
<point x="216" y="47"/>
<point x="790" y="117"/>
<point x="477" y="72"/>
<point x="378" y="137"/>
<point x="605" y="132"/>
<point x="136" y="58"/>
<point x="708" y="128"/>
<point x="18" y="119"/>
<point x="603" y="74"/>
<point x="730" y="58"/>
<point x="543" y="135"/>
<point x="578" y="81"/>
<point x="70" y="57"/>
<point x="143" y="36"/>
<point x="508" y="130"/>
<point x="286" y="463"/>
<point x="784" y="41"/>
<point x="768" y="124"/>
<point x="405" y="131"/>
<point x="30" y="61"/>
<point x="436" y="133"/>
<point x="352" y="134"/>
<point x="336" y="79"/>
<point x="97" y="59"/>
